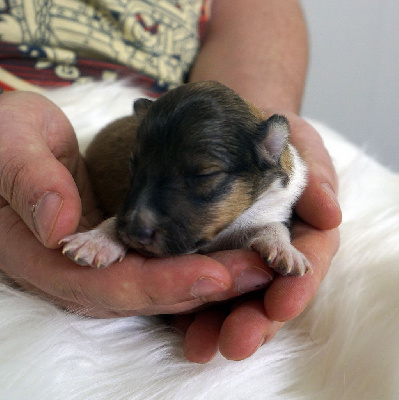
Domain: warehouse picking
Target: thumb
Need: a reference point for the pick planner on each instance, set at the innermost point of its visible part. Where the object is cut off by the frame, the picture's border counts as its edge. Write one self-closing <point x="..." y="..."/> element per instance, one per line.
<point x="318" y="204"/>
<point x="38" y="155"/>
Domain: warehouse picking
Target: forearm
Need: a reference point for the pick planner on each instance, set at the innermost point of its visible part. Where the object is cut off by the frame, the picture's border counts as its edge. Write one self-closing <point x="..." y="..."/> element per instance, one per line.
<point x="259" y="48"/>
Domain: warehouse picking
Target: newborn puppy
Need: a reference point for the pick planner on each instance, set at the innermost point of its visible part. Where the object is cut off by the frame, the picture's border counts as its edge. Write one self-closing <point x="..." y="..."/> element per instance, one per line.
<point x="198" y="170"/>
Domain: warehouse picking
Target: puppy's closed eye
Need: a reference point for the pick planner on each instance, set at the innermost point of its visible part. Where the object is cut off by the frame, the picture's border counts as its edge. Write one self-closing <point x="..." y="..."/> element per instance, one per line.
<point x="207" y="176"/>
<point x="206" y="184"/>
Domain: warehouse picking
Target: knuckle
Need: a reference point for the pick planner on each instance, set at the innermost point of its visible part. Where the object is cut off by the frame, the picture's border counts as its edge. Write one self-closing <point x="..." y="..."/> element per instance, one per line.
<point x="13" y="173"/>
<point x="151" y="299"/>
<point x="74" y="292"/>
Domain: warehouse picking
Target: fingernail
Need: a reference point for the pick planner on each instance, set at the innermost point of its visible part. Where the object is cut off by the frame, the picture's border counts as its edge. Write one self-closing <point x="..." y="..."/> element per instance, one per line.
<point x="328" y="190"/>
<point x="207" y="287"/>
<point x="45" y="213"/>
<point x="253" y="278"/>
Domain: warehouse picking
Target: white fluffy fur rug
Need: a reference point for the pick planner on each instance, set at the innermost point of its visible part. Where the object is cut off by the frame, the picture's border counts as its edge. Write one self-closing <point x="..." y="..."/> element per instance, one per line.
<point x="344" y="346"/>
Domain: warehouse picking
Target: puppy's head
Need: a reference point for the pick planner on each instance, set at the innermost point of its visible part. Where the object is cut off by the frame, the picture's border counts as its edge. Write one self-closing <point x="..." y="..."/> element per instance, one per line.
<point x="201" y="158"/>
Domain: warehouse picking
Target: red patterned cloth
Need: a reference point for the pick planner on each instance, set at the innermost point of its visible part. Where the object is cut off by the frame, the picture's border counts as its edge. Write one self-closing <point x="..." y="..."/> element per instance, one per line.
<point x="40" y="56"/>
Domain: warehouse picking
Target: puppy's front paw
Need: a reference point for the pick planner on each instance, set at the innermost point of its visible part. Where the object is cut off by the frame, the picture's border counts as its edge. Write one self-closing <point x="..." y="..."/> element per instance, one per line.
<point x="93" y="248"/>
<point x="282" y="256"/>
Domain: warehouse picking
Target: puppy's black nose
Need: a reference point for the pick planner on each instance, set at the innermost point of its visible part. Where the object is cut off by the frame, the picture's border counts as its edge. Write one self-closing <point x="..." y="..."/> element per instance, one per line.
<point x="142" y="234"/>
<point x="146" y="236"/>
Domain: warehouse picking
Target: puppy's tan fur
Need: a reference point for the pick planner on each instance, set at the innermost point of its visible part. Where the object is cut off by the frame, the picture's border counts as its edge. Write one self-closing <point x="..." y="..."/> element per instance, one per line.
<point x="238" y="200"/>
<point x="107" y="160"/>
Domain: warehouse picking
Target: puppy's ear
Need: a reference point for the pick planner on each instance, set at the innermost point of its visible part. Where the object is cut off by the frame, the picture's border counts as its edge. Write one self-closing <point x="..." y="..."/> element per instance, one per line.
<point x="141" y="106"/>
<point x="275" y="133"/>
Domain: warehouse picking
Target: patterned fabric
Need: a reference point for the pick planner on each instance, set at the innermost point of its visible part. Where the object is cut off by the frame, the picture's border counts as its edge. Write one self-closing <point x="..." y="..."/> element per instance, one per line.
<point x="57" y="42"/>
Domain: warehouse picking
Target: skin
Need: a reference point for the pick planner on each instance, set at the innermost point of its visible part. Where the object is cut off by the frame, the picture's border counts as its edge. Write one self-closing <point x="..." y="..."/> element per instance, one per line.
<point x="39" y="156"/>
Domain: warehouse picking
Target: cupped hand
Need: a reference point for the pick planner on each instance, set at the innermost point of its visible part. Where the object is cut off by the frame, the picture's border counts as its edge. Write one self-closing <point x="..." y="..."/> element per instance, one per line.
<point x="239" y="329"/>
<point x="45" y="195"/>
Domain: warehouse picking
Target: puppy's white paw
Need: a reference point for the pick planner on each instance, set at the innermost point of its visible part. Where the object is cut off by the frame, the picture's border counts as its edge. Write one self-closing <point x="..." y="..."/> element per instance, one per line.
<point x="280" y="254"/>
<point x="93" y="248"/>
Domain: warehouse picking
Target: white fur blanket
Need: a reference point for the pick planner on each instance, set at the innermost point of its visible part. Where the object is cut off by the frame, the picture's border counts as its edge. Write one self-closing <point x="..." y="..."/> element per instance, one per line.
<point x="344" y="346"/>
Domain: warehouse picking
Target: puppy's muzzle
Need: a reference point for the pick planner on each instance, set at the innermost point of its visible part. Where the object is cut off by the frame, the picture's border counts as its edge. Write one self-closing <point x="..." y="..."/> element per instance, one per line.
<point x="144" y="235"/>
<point x="141" y="234"/>
<point x="138" y="230"/>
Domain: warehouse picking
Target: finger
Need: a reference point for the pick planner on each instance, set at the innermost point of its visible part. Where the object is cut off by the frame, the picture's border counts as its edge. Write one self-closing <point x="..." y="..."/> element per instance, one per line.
<point x="245" y="329"/>
<point x="318" y="205"/>
<point x="179" y="284"/>
<point x="36" y="140"/>
<point x="287" y="297"/>
<point x="201" y="342"/>
<point x="99" y="311"/>
<point x="248" y="271"/>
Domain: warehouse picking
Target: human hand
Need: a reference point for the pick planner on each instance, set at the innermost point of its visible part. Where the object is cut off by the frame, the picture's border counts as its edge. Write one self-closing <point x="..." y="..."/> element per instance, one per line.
<point x="241" y="328"/>
<point x="45" y="195"/>
<point x="39" y="155"/>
